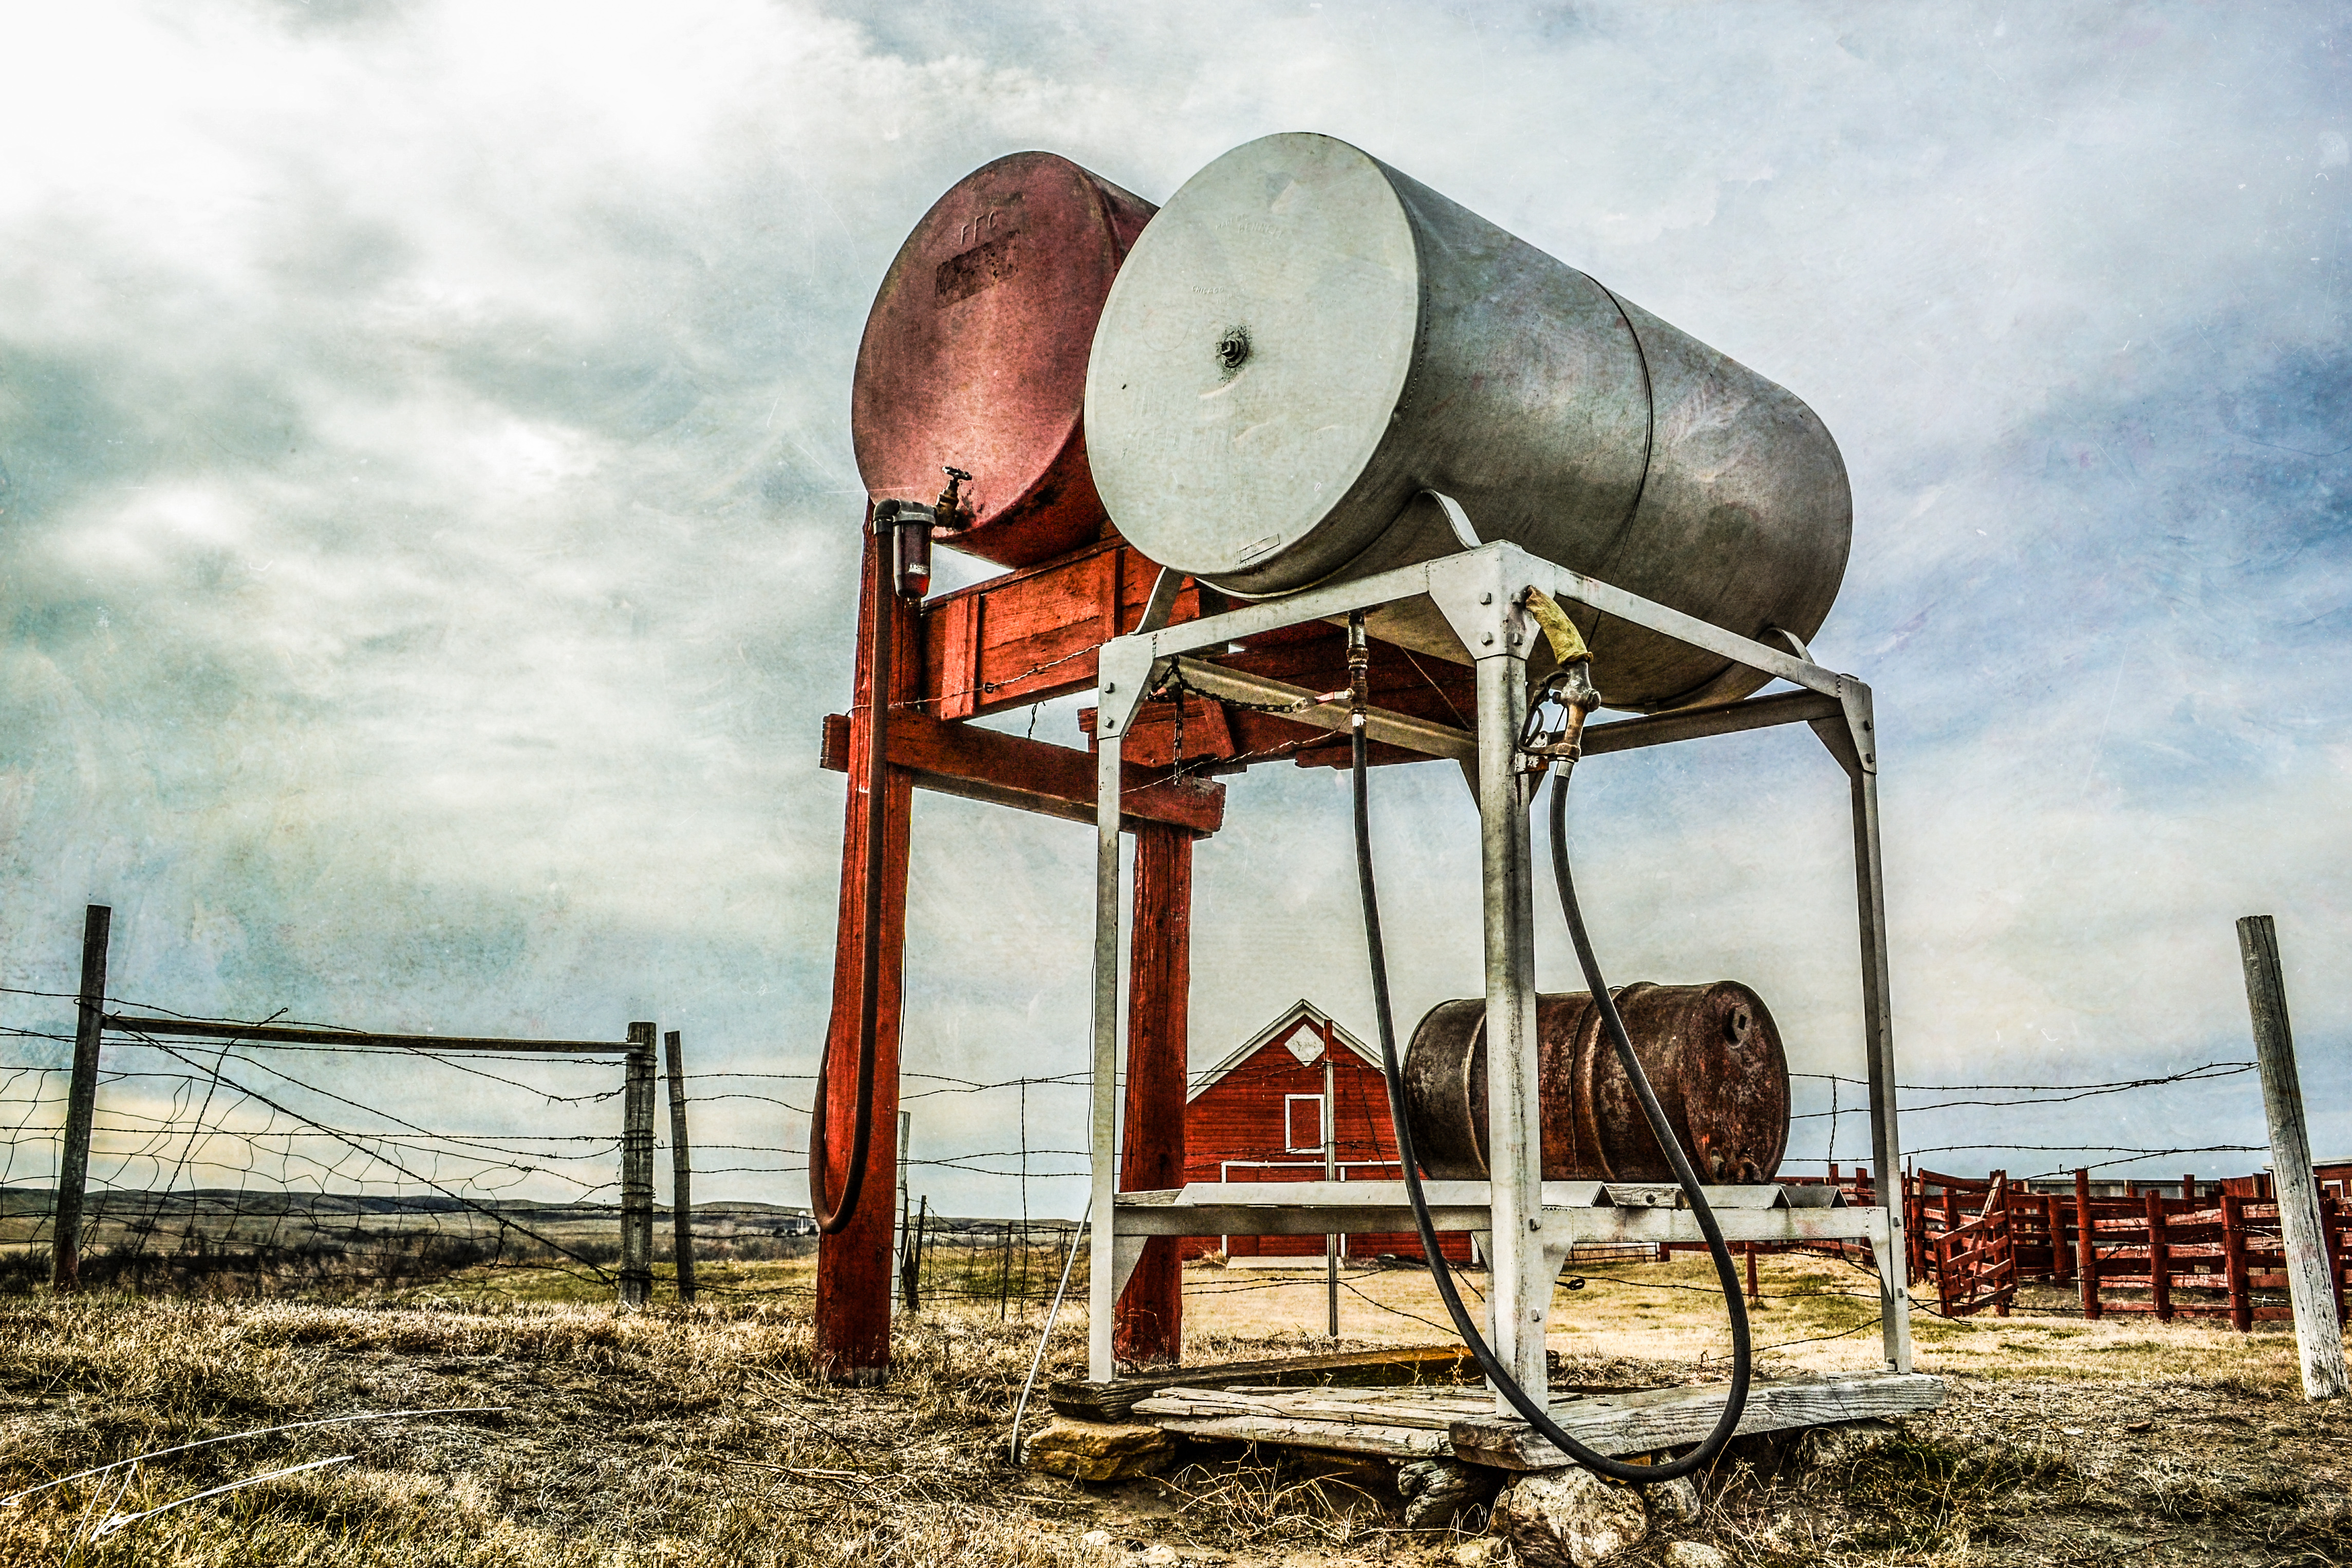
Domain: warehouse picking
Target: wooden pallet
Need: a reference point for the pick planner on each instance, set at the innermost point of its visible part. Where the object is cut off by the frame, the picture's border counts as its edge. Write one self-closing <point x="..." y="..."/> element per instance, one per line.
<point x="1424" y="1422"/>
<point x="1397" y="1365"/>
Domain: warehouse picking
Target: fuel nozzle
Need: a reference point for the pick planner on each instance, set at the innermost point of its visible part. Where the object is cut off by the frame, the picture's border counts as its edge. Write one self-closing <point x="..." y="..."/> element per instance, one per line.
<point x="1556" y="715"/>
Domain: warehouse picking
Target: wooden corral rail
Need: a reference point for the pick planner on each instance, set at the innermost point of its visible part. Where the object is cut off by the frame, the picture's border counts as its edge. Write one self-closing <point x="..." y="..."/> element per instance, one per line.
<point x="1975" y="1241"/>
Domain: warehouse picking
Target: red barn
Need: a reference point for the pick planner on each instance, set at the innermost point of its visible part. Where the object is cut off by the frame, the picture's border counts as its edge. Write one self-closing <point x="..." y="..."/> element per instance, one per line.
<point x="1260" y="1115"/>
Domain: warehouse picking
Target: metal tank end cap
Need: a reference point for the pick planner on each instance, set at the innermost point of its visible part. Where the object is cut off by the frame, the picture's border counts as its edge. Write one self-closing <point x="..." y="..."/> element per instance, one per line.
<point x="1234" y="350"/>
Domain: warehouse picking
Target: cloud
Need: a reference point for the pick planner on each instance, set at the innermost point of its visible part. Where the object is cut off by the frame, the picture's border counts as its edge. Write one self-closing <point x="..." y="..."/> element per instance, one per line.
<point x="426" y="512"/>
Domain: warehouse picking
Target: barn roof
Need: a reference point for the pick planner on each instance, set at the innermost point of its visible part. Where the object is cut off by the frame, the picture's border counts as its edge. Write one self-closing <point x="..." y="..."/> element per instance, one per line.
<point x="1299" y="1012"/>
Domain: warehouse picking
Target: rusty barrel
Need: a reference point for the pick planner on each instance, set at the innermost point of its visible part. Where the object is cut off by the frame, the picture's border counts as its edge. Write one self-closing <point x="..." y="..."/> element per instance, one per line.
<point x="1712" y="1054"/>
<point x="975" y="353"/>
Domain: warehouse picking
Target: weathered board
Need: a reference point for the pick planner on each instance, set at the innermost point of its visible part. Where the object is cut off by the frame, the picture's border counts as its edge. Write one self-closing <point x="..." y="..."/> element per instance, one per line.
<point x="1423" y="1421"/>
<point x="1112" y="1400"/>
<point x="1653" y="1418"/>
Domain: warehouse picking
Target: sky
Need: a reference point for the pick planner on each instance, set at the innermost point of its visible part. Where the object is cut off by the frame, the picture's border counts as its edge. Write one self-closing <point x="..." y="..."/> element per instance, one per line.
<point x="429" y="534"/>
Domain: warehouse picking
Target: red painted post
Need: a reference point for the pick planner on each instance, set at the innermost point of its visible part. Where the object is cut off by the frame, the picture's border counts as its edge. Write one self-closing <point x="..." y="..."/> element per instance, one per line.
<point x="853" y="1268"/>
<point x="2233" y="1262"/>
<point x="2087" y="1253"/>
<point x="1149" y="1318"/>
<point x="2331" y="1230"/>
<point x="2159" y="1260"/>
<point x="1997" y="1202"/>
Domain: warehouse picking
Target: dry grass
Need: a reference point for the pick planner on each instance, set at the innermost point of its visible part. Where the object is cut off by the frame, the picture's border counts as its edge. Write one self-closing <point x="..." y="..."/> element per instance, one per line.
<point x="705" y="1437"/>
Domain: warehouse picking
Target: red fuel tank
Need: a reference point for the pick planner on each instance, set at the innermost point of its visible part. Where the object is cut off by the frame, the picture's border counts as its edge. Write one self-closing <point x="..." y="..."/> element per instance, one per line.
<point x="975" y="353"/>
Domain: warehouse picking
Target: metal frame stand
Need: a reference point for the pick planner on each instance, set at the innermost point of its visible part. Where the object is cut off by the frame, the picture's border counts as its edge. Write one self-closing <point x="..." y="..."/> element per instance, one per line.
<point x="1473" y="601"/>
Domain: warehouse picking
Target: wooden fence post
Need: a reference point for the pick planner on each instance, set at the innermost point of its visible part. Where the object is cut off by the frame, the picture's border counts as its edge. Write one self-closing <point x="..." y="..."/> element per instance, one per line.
<point x="2319" y="1337"/>
<point x="2086" y="1246"/>
<point x="911" y="1260"/>
<point x="2233" y="1262"/>
<point x="81" y="1102"/>
<point x="681" y="1171"/>
<point x="637" y="1171"/>
<point x="2159" y="1258"/>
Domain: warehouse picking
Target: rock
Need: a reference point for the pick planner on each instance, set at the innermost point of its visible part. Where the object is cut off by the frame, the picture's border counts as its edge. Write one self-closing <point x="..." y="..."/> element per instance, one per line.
<point x="1676" y="1499"/>
<point x="1160" y="1557"/>
<point x="1569" y="1518"/>
<point x="1096" y="1541"/>
<point x="1097" y="1450"/>
<point x="1435" y="1491"/>
<point x="1694" y="1555"/>
<point x="1481" y="1551"/>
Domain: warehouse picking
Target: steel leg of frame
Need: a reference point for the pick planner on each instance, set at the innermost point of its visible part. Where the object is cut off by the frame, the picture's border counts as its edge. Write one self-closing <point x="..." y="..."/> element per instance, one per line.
<point x="1102" y="1272"/>
<point x="1519" y="1285"/>
<point x="1878" y="1026"/>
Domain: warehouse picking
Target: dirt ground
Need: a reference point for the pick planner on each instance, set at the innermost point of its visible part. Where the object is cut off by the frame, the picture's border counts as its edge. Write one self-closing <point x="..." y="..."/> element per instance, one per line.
<point x="701" y="1436"/>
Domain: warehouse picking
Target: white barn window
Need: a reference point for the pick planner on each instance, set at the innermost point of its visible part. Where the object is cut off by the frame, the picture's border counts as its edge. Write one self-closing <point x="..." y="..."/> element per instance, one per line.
<point x="1302" y="1123"/>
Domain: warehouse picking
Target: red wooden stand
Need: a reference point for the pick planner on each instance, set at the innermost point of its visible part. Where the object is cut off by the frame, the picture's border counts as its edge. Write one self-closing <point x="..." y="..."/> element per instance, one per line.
<point x="1011" y="641"/>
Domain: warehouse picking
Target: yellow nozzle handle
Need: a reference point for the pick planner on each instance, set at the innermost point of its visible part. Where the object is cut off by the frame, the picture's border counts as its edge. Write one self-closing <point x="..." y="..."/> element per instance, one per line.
<point x="1567" y="642"/>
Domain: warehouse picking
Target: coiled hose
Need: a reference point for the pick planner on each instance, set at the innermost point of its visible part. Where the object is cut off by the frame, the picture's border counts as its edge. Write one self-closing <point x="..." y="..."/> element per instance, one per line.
<point x="1535" y="1410"/>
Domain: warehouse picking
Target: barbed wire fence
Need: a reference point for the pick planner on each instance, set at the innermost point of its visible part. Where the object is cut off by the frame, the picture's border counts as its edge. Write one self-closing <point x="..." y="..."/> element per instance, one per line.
<point x="238" y="1165"/>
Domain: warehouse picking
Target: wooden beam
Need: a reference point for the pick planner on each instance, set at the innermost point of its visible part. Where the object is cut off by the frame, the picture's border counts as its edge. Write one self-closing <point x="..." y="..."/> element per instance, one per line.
<point x="1149" y="1316"/>
<point x="1033" y="775"/>
<point x="1032" y="634"/>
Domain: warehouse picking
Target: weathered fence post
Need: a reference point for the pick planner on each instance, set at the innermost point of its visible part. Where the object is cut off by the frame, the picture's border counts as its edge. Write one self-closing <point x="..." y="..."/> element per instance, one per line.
<point x="637" y="1172"/>
<point x="905" y="1196"/>
<point x="910" y="1261"/>
<point x="681" y="1170"/>
<point x="2160" y="1257"/>
<point x="81" y="1102"/>
<point x="2319" y="1337"/>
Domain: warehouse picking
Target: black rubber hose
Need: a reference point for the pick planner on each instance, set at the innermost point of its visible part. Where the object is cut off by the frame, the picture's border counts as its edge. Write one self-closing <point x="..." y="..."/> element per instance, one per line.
<point x="1534" y="1411"/>
<point x="832" y="1219"/>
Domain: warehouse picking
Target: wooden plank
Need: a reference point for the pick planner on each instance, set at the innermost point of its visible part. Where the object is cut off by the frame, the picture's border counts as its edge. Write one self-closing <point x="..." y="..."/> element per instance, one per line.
<point x="1404" y="1363"/>
<point x="956" y="668"/>
<point x="1392" y="1442"/>
<point x="1639" y="1423"/>
<point x="1033" y="775"/>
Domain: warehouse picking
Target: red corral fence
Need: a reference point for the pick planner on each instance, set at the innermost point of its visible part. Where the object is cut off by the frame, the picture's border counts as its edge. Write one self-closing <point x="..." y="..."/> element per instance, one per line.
<point x="2211" y="1253"/>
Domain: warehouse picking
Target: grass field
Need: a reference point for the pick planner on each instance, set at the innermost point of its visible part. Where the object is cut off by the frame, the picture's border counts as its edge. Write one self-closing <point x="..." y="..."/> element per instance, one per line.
<point x="702" y="1436"/>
